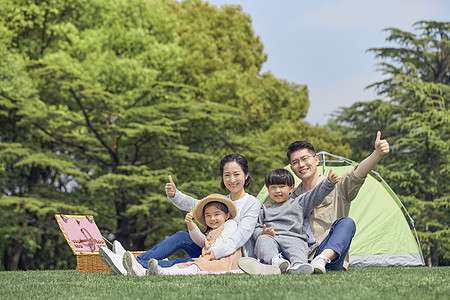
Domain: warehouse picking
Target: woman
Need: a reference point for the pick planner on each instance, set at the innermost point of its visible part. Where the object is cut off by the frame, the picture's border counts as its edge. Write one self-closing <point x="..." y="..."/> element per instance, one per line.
<point x="235" y="175"/>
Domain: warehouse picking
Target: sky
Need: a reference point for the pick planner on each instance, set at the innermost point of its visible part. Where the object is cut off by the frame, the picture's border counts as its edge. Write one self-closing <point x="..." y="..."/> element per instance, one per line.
<point x="323" y="44"/>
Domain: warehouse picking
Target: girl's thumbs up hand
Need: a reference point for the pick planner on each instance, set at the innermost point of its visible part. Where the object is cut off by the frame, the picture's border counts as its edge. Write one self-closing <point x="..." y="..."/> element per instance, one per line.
<point x="170" y="187"/>
<point x="188" y="220"/>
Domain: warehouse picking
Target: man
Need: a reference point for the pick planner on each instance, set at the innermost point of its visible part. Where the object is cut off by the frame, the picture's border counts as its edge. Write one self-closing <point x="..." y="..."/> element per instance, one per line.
<point x="329" y="229"/>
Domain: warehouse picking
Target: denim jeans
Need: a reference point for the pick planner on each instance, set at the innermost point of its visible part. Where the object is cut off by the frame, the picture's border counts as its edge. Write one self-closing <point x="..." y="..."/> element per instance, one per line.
<point x="179" y="241"/>
<point x="338" y="239"/>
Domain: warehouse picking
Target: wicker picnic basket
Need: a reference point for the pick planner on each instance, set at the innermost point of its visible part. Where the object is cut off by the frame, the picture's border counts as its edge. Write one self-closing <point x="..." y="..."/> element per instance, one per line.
<point x="91" y="263"/>
<point x="85" y="239"/>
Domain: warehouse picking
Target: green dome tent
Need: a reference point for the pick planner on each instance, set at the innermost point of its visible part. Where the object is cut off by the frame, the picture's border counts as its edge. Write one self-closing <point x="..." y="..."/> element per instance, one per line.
<point x="383" y="237"/>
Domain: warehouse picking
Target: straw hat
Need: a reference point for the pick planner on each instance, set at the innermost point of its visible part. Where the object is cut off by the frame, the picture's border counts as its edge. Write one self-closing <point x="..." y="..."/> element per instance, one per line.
<point x="198" y="209"/>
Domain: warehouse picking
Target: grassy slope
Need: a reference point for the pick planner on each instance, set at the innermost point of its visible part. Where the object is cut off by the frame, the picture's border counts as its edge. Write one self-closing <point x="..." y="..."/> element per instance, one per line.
<point x="358" y="283"/>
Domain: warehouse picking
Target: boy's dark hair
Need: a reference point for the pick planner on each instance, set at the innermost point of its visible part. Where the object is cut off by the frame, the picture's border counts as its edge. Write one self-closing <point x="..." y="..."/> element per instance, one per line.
<point x="299" y="145"/>
<point x="280" y="176"/>
<point x="240" y="160"/>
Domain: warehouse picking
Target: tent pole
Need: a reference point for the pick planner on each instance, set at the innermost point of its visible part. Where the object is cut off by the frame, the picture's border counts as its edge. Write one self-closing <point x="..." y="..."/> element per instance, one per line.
<point x="323" y="163"/>
<point x="415" y="232"/>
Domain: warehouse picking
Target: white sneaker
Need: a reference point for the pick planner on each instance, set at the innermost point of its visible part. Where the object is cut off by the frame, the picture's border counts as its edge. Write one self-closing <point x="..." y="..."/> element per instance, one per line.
<point x="153" y="268"/>
<point x="117" y="248"/>
<point x="319" y="262"/>
<point x="301" y="269"/>
<point x="281" y="263"/>
<point x="112" y="260"/>
<point x="252" y="266"/>
<point x="131" y="265"/>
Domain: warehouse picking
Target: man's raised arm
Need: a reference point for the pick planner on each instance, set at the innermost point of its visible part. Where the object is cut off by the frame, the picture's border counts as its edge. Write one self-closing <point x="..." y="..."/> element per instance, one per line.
<point x="381" y="149"/>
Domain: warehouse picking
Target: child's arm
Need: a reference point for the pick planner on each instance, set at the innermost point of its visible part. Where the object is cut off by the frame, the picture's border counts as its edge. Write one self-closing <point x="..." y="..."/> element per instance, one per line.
<point x="196" y="235"/>
<point x="260" y="227"/>
<point x="228" y="228"/>
<point x="259" y="224"/>
<point x="315" y="196"/>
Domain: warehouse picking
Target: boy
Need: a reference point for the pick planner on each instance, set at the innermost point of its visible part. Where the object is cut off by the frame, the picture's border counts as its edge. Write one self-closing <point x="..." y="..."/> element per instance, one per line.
<point x="279" y="229"/>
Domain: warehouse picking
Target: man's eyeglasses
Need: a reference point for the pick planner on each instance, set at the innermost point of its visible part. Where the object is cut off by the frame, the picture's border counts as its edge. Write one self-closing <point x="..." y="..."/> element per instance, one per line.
<point x="303" y="159"/>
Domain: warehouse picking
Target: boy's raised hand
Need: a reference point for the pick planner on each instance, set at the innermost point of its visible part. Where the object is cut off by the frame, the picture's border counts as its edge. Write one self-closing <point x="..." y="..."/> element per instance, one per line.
<point x="333" y="177"/>
<point x="381" y="146"/>
<point x="268" y="203"/>
<point x="269" y="231"/>
<point x="188" y="219"/>
<point x="170" y="187"/>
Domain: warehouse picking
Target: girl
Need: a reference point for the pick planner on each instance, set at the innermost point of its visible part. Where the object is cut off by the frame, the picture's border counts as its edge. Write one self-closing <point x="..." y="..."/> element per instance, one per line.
<point x="215" y="212"/>
<point x="235" y="175"/>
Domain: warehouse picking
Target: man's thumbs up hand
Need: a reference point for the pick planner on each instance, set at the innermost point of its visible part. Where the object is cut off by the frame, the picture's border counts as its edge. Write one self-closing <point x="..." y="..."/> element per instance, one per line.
<point x="381" y="146"/>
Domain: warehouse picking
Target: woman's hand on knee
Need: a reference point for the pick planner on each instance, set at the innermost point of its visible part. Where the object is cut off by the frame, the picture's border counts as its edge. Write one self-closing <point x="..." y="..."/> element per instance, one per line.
<point x="209" y="254"/>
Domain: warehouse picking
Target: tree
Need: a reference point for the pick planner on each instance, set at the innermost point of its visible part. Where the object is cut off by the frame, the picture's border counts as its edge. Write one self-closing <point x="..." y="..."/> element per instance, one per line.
<point x="30" y="177"/>
<point x="119" y="94"/>
<point x="416" y="123"/>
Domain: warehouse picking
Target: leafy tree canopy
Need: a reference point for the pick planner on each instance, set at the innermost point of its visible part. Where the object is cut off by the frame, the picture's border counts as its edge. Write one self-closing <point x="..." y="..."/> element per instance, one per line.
<point x="101" y="100"/>
<point x="415" y="120"/>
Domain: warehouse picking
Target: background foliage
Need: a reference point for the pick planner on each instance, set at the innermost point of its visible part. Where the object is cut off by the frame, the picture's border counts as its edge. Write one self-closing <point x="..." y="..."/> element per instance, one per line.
<point x="415" y="119"/>
<point x="102" y="100"/>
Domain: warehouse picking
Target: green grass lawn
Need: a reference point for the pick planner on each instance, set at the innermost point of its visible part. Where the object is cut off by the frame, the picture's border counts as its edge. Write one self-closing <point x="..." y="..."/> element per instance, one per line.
<point x="357" y="283"/>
